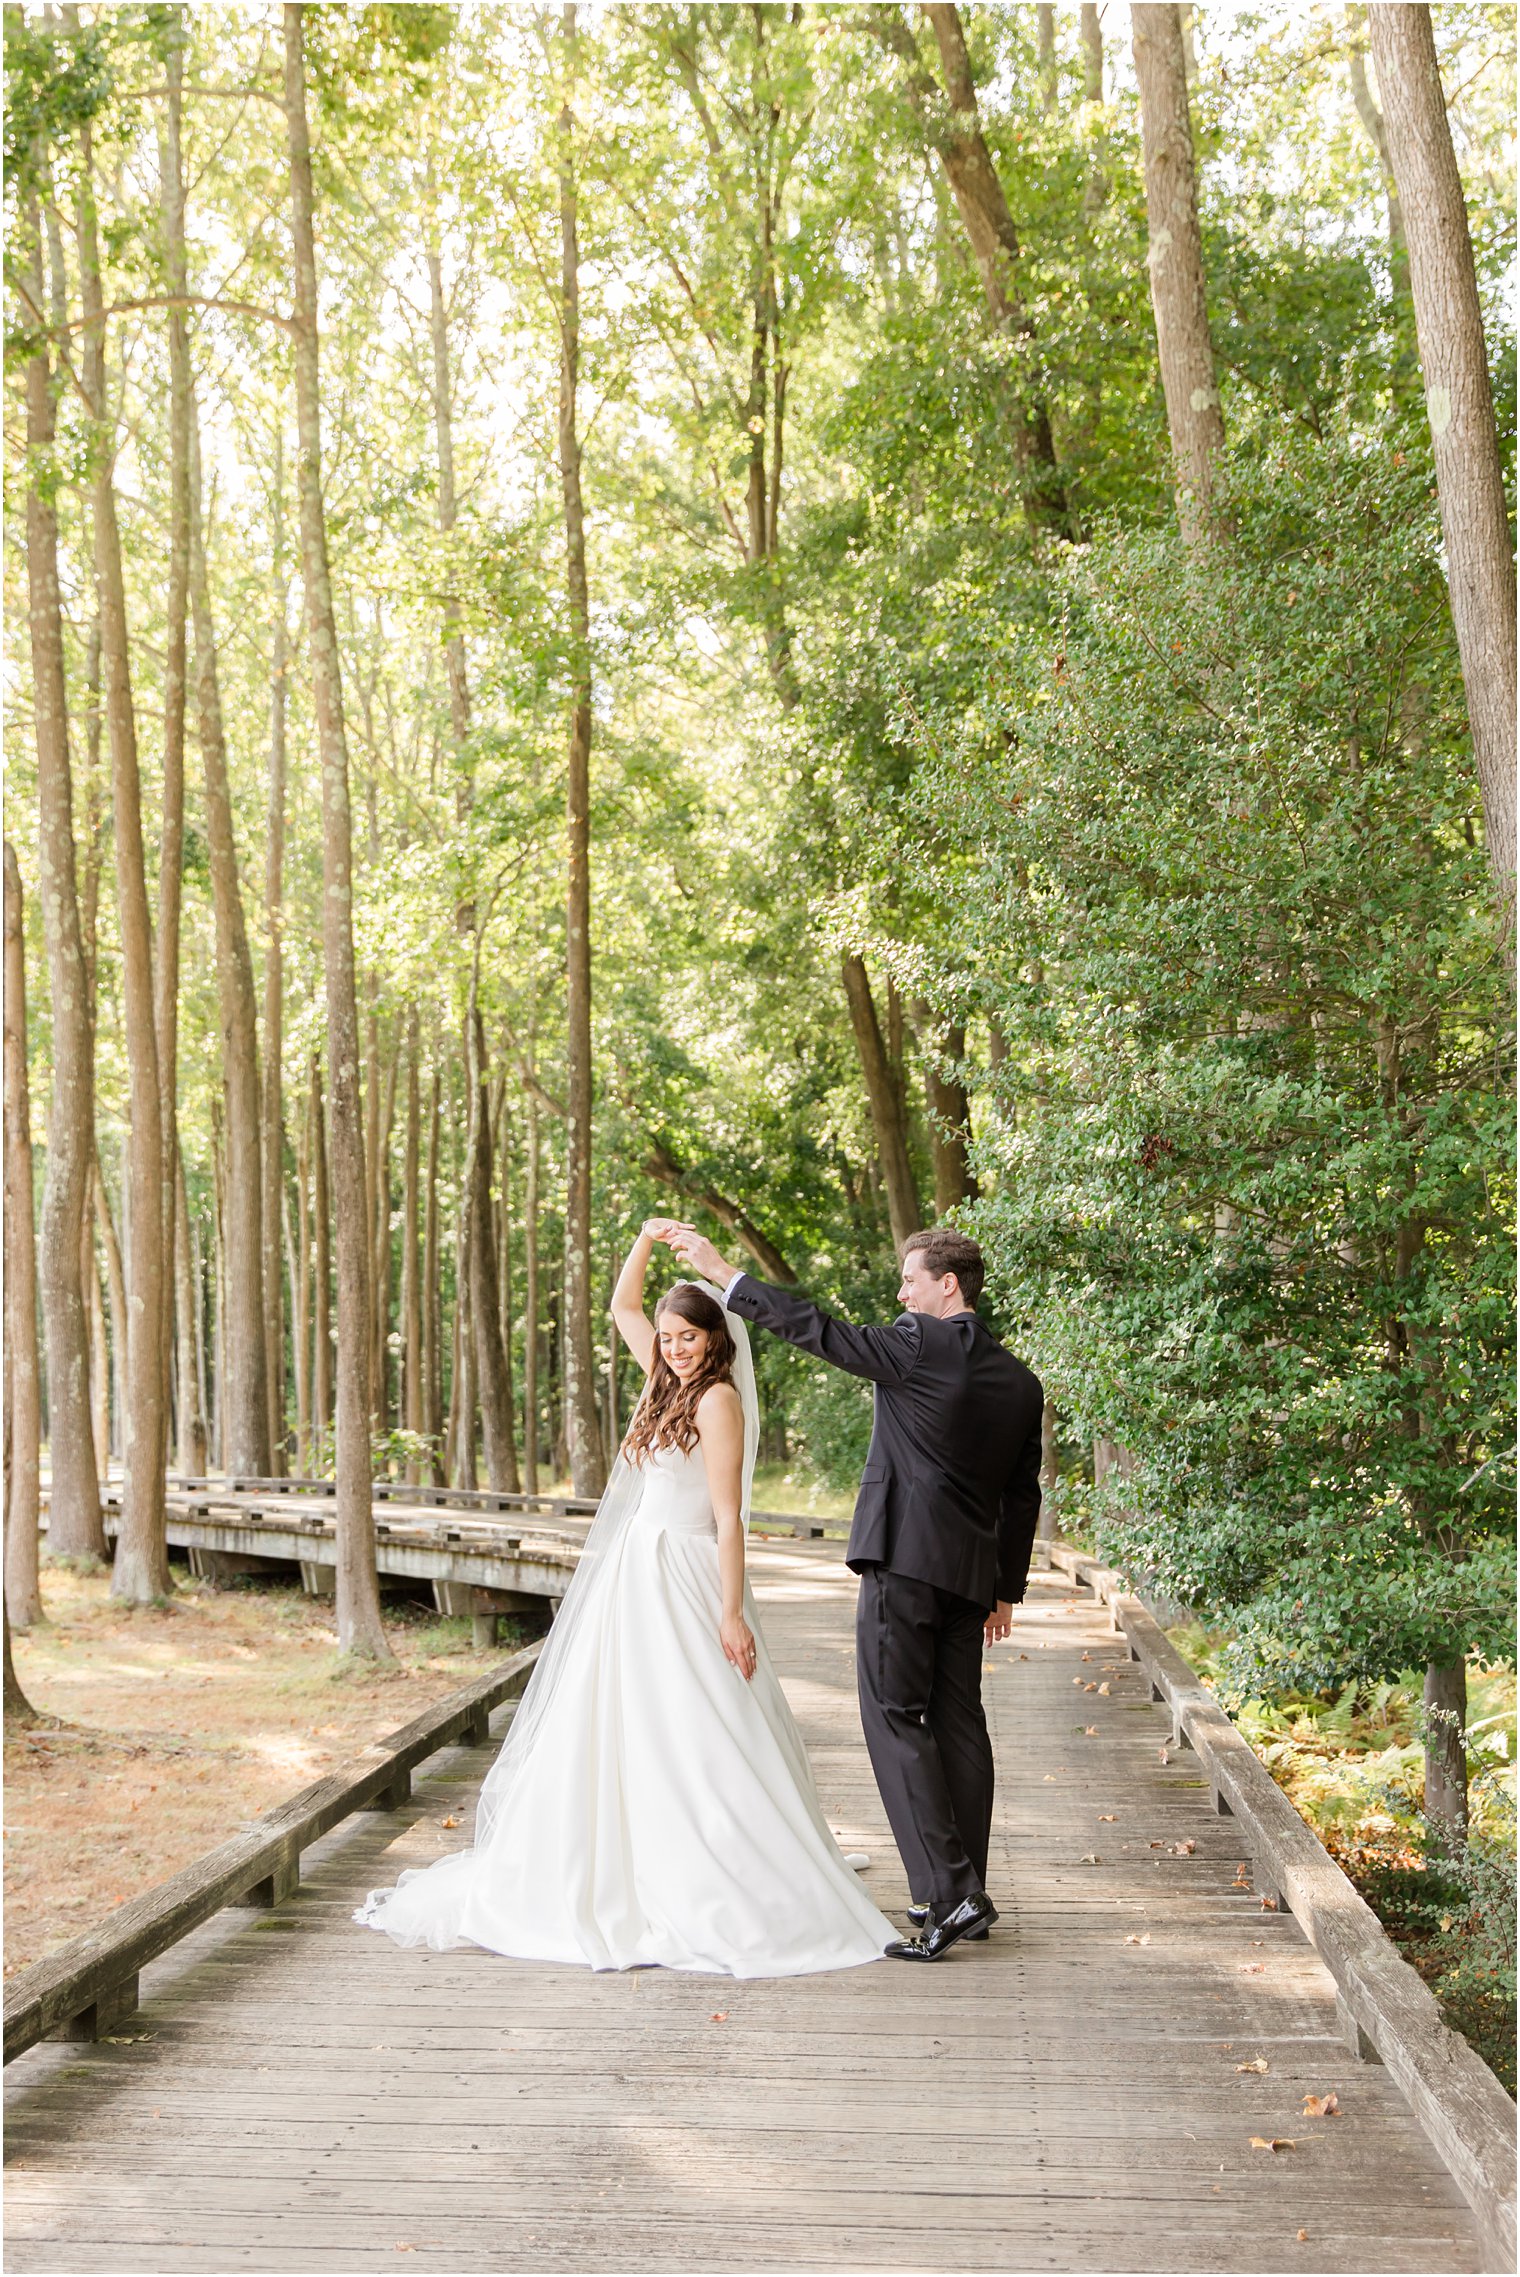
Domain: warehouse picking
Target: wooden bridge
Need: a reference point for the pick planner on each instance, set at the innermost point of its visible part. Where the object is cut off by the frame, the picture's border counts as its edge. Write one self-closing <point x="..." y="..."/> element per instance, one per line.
<point x="1130" y="2076"/>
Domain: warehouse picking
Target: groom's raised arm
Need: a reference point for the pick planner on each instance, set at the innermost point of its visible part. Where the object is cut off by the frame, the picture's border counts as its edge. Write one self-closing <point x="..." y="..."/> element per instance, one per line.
<point x="882" y="1355"/>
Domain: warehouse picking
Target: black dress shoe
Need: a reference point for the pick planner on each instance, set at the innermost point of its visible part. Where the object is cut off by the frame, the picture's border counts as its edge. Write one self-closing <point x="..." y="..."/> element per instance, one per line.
<point x="919" y="1915"/>
<point x="971" y="1914"/>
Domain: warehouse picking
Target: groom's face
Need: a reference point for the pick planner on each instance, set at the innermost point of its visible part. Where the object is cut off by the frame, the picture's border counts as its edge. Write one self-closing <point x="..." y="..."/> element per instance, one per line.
<point x="923" y="1291"/>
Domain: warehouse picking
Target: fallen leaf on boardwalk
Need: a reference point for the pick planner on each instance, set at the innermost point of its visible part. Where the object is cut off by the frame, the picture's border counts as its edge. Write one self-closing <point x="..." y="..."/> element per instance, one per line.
<point x="1161" y="1751"/>
<point x="1089" y="1687"/>
<point x="1276" y="2143"/>
<point x="1050" y="1778"/>
<point x="1092" y="1859"/>
<point x="1242" y="1878"/>
<point x="1251" y="1968"/>
<point x="1076" y="1680"/>
<point x="1023" y="1656"/>
<point x="1303" y="2237"/>
<point x="718" y="2016"/>
<point x="1257" y="2063"/>
<point x="1086" y="1656"/>
<point x="1322" y="2106"/>
<point x="405" y="2249"/>
<point x="1133" y="1940"/>
<point x="1103" y="1691"/>
<point x="1269" y="1905"/>
<point x="441" y="1822"/>
<point x="1183" y="1849"/>
<point x="1108" y="1818"/>
<point x="1158" y="1845"/>
<point x="1089" y="1731"/>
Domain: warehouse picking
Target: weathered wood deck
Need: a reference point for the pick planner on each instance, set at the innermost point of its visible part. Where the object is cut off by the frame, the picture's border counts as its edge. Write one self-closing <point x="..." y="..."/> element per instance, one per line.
<point x="296" y="2095"/>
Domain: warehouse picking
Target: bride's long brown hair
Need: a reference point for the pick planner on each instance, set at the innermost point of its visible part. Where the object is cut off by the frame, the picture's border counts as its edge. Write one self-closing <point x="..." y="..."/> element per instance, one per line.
<point x="666" y="1415"/>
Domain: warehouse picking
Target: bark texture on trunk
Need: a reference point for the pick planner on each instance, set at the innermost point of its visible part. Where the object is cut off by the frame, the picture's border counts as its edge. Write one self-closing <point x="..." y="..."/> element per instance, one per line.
<point x="23" y="1494"/>
<point x="321" y="1264"/>
<point x="1175" y="260"/>
<point x="530" y="1301"/>
<point x="904" y="1207"/>
<point x="272" y="1146"/>
<point x="1459" y="399"/>
<point x="413" y="1407"/>
<point x="949" y="1112"/>
<point x="140" y="1570"/>
<point x="952" y="128"/>
<point x="74" y="1525"/>
<point x="171" y="839"/>
<point x="1445" y="1752"/>
<point x="432" y="1301"/>
<point x="583" y="1427"/>
<point x="189" y="1364"/>
<point x="245" y="1395"/>
<point x="1045" y="51"/>
<point x="360" y="1627"/>
<point x="485" y="1284"/>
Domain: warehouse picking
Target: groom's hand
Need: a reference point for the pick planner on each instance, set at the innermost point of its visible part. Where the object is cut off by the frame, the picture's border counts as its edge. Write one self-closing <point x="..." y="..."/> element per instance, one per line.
<point x="999" y="1623"/>
<point x="695" y="1250"/>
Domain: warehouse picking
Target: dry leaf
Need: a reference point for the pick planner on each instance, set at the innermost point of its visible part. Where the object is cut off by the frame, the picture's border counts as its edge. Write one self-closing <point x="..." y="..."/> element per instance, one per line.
<point x="1269" y="1905"/>
<point x="1161" y="1751"/>
<point x="1158" y="1845"/>
<point x="405" y="2249"/>
<point x="1091" y="1859"/>
<point x="1257" y="2063"/>
<point x="1103" y="1690"/>
<point x="1184" y="1849"/>
<point x="1303" y="2237"/>
<point x="1050" y="1778"/>
<point x="1089" y="1731"/>
<point x="718" y="2016"/>
<point x="1242" y="1878"/>
<point x="1108" y="1818"/>
<point x="1322" y="2106"/>
<point x="1089" y="1687"/>
<point x="1085" y="1656"/>
<point x="1133" y="1940"/>
<point x="1023" y="1656"/>
<point x="1251" y="1968"/>
<point x="1276" y="2143"/>
<point x="441" y="1822"/>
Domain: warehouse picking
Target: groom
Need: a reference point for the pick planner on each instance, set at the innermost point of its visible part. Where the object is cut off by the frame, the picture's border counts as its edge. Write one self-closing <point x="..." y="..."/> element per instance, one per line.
<point x="943" y="1530"/>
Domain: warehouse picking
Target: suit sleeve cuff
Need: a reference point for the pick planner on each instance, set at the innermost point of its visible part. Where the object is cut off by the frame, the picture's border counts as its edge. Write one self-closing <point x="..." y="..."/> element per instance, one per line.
<point x="728" y="1293"/>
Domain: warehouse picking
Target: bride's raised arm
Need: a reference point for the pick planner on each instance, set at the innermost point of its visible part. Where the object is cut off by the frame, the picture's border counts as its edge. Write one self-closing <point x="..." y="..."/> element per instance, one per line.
<point x="633" y="1323"/>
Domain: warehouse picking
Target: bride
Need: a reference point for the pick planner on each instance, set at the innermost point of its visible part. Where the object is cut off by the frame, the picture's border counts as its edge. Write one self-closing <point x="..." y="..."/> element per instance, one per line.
<point x="653" y="1802"/>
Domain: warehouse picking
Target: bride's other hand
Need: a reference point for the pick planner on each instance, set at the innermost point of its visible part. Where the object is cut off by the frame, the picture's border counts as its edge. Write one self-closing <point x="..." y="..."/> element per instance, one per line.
<point x="661" y="1229"/>
<point x="739" y="1644"/>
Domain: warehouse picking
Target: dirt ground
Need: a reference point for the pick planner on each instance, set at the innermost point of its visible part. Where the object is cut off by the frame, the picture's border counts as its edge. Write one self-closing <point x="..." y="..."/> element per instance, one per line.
<point x="178" y="1725"/>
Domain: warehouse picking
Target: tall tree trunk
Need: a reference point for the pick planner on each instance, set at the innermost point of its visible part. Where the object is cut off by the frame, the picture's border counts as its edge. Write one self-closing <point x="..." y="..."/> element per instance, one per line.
<point x="23" y="1500"/>
<point x="360" y="1627"/>
<point x="904" y="1208"/>
<point x="245" y="1396"/>
<point x="380" y="1232"/>
<point x="1377" y="134"/>
<point x="1095" y="195"/>
<point x="953" y="130"/>
<point x="190" y="1365"/>
<point x="413" y="1408"/>
<point x="1175" y="260"/>
<point x="587" y="1460"/>
<point x="272" y="1148"/>
<point x="485" y="1291"/>
<point x="18" y="1708"/>
<point x="530" y="1302"/>
<point x="116" y="1293"/>
<point x="1459" y="399"/>
<point x="140" y="1572"/>
<point x="176" y="603"/>
<point x="1445" y="1751"/>
<point x="949" y="1111"/>
<point x="74" y="1522"/>
<point x="1045" y="51"/>
<point x="300" y="1295"/>
<point x="100" y="1353"/>
<point x="321" y="1265"/>
<point x="432" y="1302"/>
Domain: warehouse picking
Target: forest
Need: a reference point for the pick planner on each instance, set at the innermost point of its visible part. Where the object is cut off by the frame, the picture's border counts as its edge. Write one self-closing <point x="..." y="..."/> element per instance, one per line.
<point x="809" y="616"/>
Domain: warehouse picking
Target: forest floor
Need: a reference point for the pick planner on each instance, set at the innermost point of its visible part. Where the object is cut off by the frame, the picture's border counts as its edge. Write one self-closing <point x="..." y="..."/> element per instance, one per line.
<point x="175" y="1726"/>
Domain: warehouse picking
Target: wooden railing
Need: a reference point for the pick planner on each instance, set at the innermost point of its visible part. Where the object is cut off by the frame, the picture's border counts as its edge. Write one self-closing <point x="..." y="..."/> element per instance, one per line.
<point x="1386" y="2012"/>
<point x="89" y="1984"/>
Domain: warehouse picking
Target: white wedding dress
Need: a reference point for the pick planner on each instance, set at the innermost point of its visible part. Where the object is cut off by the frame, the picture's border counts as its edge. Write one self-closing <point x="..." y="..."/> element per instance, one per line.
<point x="655" y="1808"/>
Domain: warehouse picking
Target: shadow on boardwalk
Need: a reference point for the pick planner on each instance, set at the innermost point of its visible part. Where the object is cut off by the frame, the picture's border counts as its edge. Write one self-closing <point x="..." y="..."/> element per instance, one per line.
<point x="296" y="2095"/>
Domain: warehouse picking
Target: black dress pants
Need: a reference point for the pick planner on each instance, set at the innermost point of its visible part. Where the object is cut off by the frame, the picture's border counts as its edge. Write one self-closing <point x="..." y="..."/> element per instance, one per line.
<point x="918" y="1653"/>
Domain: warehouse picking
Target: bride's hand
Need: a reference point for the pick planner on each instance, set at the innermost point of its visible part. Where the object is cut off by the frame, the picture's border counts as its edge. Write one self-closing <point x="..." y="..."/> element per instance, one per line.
<point x="660" y="1229"/>
<point x="738" y="1644"/>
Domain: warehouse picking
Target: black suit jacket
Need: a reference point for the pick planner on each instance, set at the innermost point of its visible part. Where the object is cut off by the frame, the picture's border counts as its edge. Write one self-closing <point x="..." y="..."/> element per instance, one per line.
<point x="951" y="1489"/>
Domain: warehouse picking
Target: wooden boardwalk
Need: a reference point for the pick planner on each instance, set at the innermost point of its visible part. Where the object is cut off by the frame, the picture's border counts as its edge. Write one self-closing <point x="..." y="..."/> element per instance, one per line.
<point x="296" y="2095"/>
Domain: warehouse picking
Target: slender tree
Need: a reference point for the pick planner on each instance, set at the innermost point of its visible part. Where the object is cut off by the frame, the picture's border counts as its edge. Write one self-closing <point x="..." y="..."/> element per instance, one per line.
<point x="245" y="1396"/>
<point x="140" y="1572"/>
<point x="360" y="1627"/>
<point x="587" y="1462"/>
<point x="904" y="1208"/>
<point x="74" y="1521"/>
<point x="272" y="1138"/>
<point x="1175" y="260"/>
<point x="1480" y="562"/>
<point x="23" y="1502"/>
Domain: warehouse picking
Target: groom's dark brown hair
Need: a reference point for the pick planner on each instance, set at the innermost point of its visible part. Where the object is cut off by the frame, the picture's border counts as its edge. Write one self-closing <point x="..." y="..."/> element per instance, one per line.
<point x="946" y="1251"/>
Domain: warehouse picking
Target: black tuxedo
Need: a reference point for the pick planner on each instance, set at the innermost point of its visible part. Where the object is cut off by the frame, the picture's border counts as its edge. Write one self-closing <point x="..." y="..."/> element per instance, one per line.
<point x="944" y="1527"/>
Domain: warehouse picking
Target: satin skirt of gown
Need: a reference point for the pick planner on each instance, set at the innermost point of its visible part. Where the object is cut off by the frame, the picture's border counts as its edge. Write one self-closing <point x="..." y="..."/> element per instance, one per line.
<point x="666" y="1812"/>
